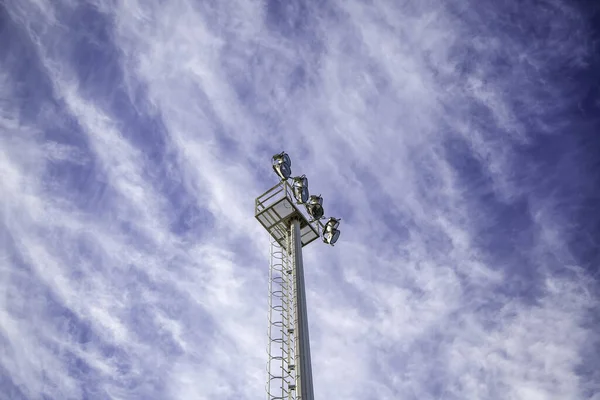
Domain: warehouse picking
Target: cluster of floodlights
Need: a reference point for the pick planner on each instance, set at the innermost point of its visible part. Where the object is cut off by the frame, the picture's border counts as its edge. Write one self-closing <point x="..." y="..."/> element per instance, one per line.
<point x="282" y="165"/>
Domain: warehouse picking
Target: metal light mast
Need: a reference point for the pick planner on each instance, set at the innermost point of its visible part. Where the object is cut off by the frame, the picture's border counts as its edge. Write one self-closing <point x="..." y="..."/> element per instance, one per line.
<point x="290" y="228"/>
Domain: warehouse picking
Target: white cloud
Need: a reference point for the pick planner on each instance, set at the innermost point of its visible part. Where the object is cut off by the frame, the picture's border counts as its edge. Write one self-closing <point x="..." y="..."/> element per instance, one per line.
<point x="402" y="116"/>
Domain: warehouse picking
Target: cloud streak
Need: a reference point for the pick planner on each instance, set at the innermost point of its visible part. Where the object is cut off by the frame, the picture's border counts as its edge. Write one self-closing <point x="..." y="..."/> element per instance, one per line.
<point x="134" y="137"/>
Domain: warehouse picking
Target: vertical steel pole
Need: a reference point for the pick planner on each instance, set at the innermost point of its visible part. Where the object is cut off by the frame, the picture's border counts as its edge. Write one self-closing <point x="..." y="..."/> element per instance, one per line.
<point x="302" y="340"/>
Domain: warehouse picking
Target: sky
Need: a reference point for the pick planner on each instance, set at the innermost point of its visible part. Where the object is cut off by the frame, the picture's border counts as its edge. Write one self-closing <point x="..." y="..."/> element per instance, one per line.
<point x="457" y="140"/>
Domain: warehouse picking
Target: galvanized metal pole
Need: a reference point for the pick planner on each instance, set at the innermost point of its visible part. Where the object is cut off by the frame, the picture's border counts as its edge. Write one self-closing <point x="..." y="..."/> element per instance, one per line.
<point x="302" y="340"/>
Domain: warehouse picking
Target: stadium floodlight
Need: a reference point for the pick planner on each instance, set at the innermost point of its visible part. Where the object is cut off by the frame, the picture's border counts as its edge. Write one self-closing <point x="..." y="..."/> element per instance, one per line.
<point x="289" y="367"/>
<point x="315" y="207"/>
<point x="282" y="165"/>
<point x="300" y="187"/>
<point x="332" y="224"/>
<point x="331" y="232"/>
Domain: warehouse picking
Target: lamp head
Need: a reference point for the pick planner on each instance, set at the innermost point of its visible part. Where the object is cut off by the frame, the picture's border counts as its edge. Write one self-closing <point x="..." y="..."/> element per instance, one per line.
<point x="300" y="188"/>
<point x="315" y="207"/>
<point x="331" y="233"/>
<point x="282" y="165"/>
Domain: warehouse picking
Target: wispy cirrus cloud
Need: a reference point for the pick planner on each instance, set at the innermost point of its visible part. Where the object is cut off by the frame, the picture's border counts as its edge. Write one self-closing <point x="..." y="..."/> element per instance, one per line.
<point x="135" y="137"/>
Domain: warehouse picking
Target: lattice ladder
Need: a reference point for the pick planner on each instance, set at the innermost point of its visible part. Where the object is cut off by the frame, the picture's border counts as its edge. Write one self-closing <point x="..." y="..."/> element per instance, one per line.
<point x="281" y="349"/>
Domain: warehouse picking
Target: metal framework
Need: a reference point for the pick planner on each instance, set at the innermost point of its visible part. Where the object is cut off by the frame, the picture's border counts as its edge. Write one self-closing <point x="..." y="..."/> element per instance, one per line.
<point x="275" y="209"/>
<point x="289" y="362"/>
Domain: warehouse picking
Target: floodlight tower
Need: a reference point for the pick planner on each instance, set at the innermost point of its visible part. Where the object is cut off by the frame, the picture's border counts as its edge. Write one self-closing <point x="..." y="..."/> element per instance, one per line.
<point x="290" y="229"/>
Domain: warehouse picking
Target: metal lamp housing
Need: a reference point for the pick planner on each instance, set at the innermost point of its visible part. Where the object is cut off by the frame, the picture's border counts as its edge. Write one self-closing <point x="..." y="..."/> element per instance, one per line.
<point x="315" y="207"/>
<point x="332" y="224"/>
<point x="300" y="188"/>
<point x="330" y="237"/>
<point x="331" y="233"/>
<point x="282" y="165"/>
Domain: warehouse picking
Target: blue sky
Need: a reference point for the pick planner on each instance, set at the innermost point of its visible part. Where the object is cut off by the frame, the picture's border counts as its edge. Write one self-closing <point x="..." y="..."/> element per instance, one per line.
<point x="458" y="141"/>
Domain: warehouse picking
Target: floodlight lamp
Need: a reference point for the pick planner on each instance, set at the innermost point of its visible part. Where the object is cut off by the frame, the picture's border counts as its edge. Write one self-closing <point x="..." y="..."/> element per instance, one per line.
<point x="331" y="233"/>
<point x="300" y="186"/>
<point x="315" y="207"/>
<point x="282" y="165"/>
<point x="332" y="224"/>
